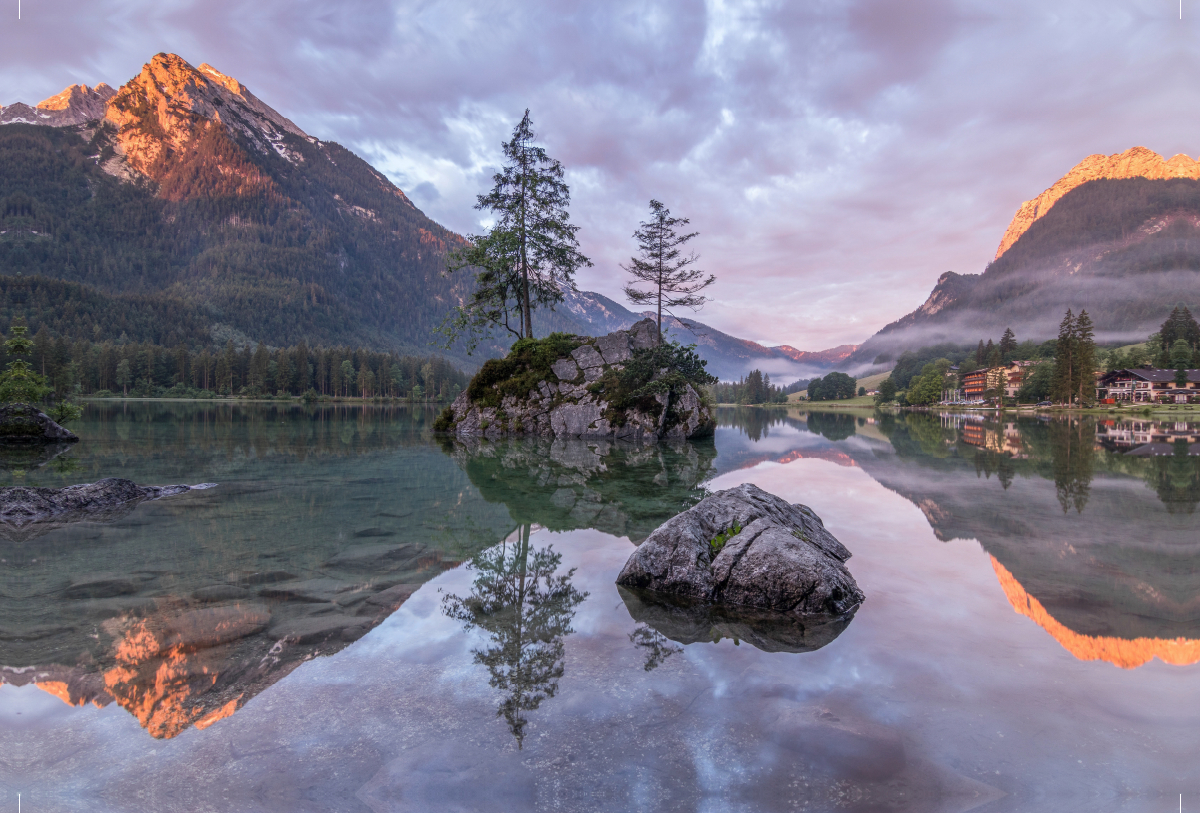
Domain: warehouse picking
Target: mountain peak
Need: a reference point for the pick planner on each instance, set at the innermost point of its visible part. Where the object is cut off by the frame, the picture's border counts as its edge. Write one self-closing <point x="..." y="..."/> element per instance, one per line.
<point x="77" y="104"/>
<point x="1136" y="162"/>
<point x="170" y="102"/>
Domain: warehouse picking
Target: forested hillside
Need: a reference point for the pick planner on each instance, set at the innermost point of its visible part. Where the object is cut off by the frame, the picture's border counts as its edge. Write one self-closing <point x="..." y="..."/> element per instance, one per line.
<point x="1125" y="250"/>
<point x="286" y="259"/>
<point x="181" y="210"/>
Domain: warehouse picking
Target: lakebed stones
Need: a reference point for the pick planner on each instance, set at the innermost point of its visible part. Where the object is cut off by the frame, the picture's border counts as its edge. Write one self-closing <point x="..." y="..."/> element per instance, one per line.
<point x="748" y="548"/>
<point x="22" y="423"/>
<point x="565" y="405"/>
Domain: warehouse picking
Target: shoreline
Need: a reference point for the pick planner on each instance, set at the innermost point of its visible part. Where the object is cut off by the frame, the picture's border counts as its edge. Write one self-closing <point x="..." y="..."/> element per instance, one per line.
<point x="293" y="400"/>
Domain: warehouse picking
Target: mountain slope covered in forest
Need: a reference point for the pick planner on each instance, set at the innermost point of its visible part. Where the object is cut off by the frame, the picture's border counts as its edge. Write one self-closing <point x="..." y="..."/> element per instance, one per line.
<point x="181" y="208"/>
<point x="1124" y="247"/>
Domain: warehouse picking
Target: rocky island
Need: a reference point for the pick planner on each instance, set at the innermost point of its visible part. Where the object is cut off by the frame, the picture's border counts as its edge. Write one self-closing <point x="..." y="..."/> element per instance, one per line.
<point x="624" y="386"/>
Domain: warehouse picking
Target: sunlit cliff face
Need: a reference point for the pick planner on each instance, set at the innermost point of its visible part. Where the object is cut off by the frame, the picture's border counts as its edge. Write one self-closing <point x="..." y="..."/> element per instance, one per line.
<point x="1137" y="162"/>
<point x="1125" y="653"/>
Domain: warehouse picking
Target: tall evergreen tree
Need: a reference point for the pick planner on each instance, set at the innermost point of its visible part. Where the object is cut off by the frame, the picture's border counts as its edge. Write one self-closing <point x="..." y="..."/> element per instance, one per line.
<point x="672" y="279"/>
<point x="1181" y="357"/>
<point x="1008" y="344"/>
<point x="531" y="253"/>
<point x="1179" y="325"/>
<point x="1084" y="380"/>
<point x="1064" y="358"/>
<point x="980" y="354"/>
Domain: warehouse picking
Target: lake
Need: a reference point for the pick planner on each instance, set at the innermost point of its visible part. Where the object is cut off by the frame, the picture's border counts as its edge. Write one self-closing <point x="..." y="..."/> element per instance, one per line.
<point x="363" y="616"/>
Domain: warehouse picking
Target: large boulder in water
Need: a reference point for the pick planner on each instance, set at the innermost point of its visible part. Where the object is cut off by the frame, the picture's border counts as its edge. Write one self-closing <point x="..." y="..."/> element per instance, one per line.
<point x="746" y="547"/>
<point x="23" y="423"/>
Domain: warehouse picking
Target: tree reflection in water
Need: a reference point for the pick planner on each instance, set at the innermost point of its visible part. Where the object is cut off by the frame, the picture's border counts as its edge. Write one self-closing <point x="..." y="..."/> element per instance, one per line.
<point x="657" y="646"/>
<point x="526" y="610"/>
<point x="1176" y="478"/>
<point x="1073" y="458"/>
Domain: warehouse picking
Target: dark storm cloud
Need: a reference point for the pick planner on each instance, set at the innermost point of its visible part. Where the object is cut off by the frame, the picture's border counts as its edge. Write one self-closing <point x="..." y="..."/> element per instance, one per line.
<point x="835" y="156"/>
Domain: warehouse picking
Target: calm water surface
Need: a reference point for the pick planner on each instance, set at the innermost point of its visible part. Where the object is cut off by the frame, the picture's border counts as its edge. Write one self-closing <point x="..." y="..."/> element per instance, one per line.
<point x="364" y="617"/>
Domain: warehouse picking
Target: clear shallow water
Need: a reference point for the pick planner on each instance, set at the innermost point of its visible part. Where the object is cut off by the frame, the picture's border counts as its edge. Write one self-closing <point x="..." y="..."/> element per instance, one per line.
<point x="1028" y="642"/>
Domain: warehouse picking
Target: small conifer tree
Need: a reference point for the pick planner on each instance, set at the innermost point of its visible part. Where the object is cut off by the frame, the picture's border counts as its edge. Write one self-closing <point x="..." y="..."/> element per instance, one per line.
<point x="20" y="383"/>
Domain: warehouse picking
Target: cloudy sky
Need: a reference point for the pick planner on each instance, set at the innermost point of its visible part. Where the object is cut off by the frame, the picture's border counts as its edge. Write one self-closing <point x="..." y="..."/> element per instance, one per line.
<point x="836" y="157"/>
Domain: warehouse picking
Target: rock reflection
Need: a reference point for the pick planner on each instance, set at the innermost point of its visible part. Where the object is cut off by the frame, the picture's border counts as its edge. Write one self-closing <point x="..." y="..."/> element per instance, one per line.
<point x="21" y="458"/>
<point x="525" y="607"/>
<point x="618" y="488"/>
<point x="689" y="622"/>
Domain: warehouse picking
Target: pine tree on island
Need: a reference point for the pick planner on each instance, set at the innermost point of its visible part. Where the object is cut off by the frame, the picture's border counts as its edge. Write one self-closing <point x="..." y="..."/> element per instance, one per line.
<point x="529" y="256"/>
<point x="662" y="263"/>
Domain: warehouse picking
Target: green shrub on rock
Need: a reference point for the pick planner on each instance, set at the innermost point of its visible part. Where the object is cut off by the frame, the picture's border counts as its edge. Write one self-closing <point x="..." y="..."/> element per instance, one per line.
<point x="668" y="368"/>
<point x="527" y="363"/>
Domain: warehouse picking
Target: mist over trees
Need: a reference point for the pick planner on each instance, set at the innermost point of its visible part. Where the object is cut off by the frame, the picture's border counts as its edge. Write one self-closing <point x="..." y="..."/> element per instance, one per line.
<point x="754" y="388"/>
<point x="833" y="387"/>
<point x="1123" y="280"/>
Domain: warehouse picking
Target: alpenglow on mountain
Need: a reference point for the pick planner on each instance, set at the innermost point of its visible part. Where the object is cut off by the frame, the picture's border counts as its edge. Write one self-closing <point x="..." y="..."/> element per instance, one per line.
<point x="182" y="208"/>
<point x="1118" y="235"/>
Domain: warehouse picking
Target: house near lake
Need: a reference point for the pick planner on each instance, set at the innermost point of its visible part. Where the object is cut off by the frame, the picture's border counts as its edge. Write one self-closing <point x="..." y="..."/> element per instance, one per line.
<point x="1147" y="385"/>
<point x="977" y="382"/>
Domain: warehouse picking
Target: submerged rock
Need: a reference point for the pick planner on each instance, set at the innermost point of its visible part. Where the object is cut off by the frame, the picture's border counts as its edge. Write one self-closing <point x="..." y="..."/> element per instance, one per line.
<point x="29" y="512"/>
<point x="746" y="547"/>
<point x="22" y="423"/>
<point x="571" y="400"/>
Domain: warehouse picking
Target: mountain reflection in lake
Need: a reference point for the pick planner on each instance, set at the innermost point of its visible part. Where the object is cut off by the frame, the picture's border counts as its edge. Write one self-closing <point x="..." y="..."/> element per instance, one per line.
<point x="338" y="625"/>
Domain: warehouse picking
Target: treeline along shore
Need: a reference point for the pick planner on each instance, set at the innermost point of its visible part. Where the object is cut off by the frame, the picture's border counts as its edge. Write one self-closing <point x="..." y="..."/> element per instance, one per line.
<point x="150" y="370"/>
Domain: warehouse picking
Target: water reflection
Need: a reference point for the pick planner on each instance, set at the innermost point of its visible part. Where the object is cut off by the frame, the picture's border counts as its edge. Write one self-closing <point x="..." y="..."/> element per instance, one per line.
<point x="690" y="622"/>
<point x="525" y="608"/>
<point x="183" y="610"/>
<point x="619" y="488"/>
<point x="1087" y="522"/>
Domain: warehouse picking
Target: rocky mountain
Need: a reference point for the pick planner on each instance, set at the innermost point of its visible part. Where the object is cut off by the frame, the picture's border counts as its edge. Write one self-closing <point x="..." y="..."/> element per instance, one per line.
<point x="78" y="104"/>
<point x="197" y="212"/>
<point x="1118" y="236"/>
<point x="191" y="195"/>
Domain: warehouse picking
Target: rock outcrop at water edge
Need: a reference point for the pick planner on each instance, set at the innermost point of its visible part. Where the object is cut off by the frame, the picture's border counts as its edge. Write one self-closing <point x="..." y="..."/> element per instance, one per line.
<point x="22" y="423"/>
<point x="746" y="547"/>
<point x="575" y="400"/>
